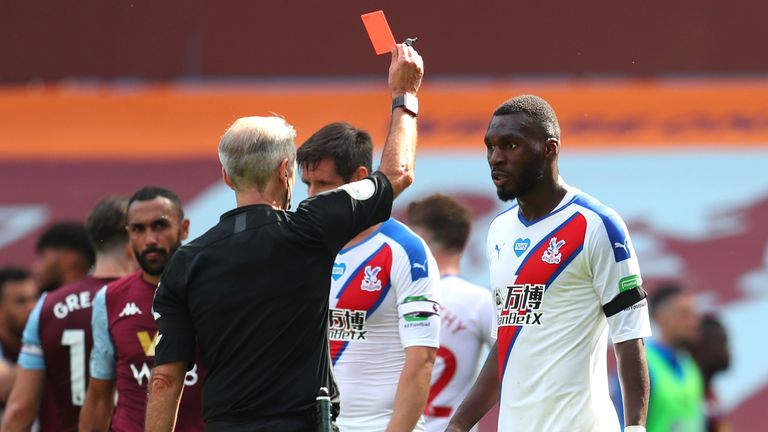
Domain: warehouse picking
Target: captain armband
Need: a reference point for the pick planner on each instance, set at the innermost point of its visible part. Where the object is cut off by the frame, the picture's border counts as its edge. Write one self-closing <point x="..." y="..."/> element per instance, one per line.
<point x="624" y="300"/>
<point x="418" y="308"/>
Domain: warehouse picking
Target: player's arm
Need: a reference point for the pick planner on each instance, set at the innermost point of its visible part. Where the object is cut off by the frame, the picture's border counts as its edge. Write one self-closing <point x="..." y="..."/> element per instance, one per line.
<point x="7" y="378"/>
<point x="413" y="388"/>
<point x="633" y="376"/>
<point x="175" y="350"/>
<point x="398" y="157"/>
<point x="481" y="398"/>
<point x="165" y="388"/>
<point x="100" y="397"/>
<point x="98" y="406"/>
<point x="24" y="402"/>
<point x="416" y="281"/>
<point x="617" y="282"/>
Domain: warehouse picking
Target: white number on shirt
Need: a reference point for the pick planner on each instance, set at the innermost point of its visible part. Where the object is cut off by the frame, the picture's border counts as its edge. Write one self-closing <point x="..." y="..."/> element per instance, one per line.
<point x="75" y="340"/>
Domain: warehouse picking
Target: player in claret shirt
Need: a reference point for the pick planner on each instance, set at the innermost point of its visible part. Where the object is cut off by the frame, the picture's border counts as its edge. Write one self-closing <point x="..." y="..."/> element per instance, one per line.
<point x="53" y="366"/>
<point x="564" y="276"/>
<point x="124" y="330"/>
<point x="384" y="323"/>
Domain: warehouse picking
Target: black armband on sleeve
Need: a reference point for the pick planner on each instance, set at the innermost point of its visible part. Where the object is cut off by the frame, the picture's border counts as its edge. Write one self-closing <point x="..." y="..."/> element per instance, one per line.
<point x="623" y="301"/>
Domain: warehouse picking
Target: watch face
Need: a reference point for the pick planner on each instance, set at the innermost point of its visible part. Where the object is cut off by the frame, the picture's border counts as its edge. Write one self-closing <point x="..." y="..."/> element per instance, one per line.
<point x="409" y="102"/>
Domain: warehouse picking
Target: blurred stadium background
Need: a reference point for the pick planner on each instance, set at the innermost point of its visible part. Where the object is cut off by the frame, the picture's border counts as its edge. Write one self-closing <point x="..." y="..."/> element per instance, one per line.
<point x="663" y="106"/>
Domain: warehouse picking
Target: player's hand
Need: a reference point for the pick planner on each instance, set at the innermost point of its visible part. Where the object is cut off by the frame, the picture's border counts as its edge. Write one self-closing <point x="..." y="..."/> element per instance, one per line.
<point x="405" y="70"/>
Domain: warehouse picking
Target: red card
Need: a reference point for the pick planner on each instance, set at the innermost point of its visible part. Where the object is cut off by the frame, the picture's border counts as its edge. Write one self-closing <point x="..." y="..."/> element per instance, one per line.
<point x="379" y="32"/>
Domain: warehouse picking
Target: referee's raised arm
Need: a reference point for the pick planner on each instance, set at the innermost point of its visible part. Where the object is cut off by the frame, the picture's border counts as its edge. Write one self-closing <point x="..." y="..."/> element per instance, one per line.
<point x="250" y="296"/>
<point x="399" y="154"/>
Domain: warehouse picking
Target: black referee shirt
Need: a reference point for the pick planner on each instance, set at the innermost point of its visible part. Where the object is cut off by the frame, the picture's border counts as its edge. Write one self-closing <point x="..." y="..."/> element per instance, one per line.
<point x="253" y="291"/>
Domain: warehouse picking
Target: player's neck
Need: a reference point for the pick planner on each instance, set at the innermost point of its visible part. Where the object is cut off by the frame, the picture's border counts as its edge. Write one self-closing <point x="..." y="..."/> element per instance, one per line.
<point x="246" y="199"/>
<point x="150" y="279"/>
<point x="272" y="195"/>
<point x="363" y="236"/>
<point x="72" y="275"/>
<point x="544" y="198"/>
<point x="112" y="265"/>
<point x="449" y="264"/>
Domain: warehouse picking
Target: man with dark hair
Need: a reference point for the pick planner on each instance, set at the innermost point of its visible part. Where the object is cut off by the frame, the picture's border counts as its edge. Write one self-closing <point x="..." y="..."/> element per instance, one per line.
<point x="384" y="322"/>
<point x="349" y="147"/>
<point x="64" y="255"/>
<point x="466" y="310"/>
<point x="677" y="389"/>
<point x="57" y="337"/>
<point x="18" y="294"/>
<point x="253" y="291"/>
<point x="124" y="331"/>
<point x="564" y="275"/>
<point x="713" y="356"/>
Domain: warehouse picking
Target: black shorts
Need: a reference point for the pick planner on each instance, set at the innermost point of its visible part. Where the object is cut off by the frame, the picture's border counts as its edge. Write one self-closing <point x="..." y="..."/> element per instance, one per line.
<point x="297" y="422"/>
<point x="276" y="424"/>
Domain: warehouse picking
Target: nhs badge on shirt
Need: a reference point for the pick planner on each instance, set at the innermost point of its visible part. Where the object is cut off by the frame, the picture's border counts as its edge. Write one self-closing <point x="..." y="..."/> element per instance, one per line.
<point x="338" y="270"/>
<point x="521" y="245"/>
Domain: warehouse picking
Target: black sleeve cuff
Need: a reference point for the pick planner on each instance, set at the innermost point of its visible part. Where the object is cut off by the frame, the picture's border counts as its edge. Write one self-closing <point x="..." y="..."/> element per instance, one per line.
<point x="387" y="197"/>
<point x="175" y="345"/>
<point x="623" y="301"/>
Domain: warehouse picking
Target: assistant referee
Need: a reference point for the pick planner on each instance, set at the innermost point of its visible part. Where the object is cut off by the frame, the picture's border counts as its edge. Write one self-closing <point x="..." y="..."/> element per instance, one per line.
<point x="253" y="291"/>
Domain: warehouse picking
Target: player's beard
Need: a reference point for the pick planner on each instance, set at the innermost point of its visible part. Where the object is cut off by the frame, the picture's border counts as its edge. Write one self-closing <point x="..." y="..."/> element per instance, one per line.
<point x="155" y="269"/>
<point x="529" y="178"/>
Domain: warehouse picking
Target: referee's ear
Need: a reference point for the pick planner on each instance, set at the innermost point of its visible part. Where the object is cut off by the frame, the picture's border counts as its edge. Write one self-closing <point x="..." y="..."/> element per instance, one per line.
<point x="226" y="179"/>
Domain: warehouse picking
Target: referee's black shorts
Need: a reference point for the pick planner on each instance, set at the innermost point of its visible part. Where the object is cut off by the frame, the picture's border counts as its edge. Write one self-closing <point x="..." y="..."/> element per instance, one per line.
<point x="294" y="423"/>
<point x="276" y="424"/>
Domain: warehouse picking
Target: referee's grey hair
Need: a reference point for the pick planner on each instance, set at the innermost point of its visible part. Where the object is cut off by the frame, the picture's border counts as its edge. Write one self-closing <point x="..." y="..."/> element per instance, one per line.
<point x="253" y="147"/>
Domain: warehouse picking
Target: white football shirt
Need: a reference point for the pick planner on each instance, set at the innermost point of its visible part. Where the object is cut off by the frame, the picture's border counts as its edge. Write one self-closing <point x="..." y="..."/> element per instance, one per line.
<point x="551" y="279"/>
<point x="384" y="298"/>
<point x="466" y="315"/>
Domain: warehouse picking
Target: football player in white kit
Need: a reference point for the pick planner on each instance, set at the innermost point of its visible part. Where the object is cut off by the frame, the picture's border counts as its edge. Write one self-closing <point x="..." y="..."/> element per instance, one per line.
<point x="564" y="275"/>
<point x="466" y="310"/>
<point x="384" y="305"/>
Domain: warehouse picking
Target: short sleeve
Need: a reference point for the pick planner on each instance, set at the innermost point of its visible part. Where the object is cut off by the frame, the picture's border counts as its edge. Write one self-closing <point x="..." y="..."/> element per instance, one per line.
<point x="416" y="281"/>
<point x="617" y="282"/>
<point x="335" y="217"/>
<point x="496" y="304"/>
<point x="176" y="338"/>
<point x="31" y="356"/>
<point x="103" y="351"/>
<point x="485" y="314"/>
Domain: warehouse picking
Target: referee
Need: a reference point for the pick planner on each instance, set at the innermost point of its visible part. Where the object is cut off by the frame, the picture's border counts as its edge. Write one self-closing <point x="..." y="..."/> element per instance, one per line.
<point x="253" y="291"/>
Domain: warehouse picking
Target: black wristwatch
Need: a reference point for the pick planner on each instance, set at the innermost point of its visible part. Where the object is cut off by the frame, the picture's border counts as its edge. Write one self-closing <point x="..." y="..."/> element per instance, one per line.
<point x="409" y="102"/>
